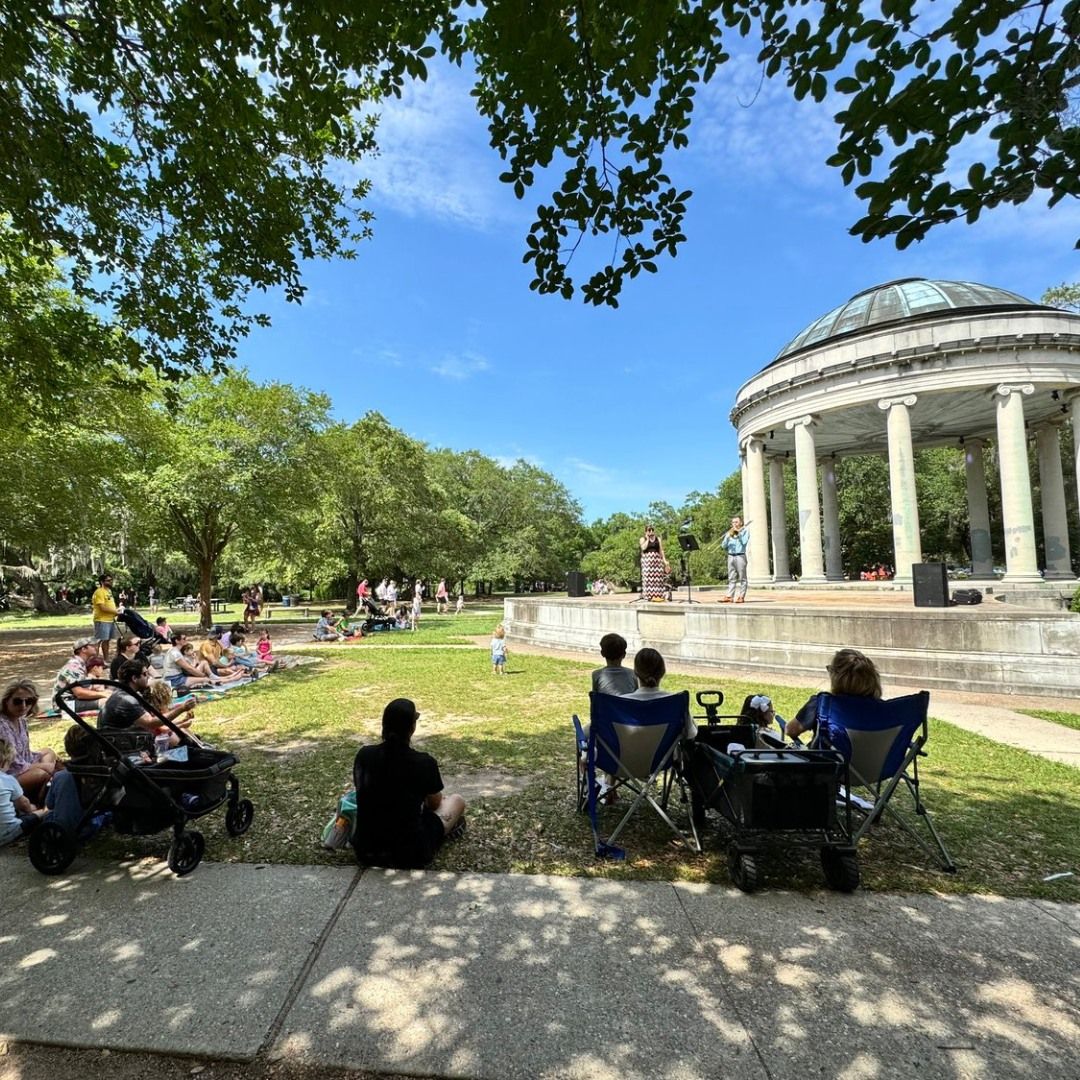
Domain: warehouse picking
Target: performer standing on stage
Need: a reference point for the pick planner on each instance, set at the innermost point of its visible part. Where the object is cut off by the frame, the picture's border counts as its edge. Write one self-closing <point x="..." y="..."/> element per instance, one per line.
<point x="734" y="543"/>
<point x="654" y="566"/>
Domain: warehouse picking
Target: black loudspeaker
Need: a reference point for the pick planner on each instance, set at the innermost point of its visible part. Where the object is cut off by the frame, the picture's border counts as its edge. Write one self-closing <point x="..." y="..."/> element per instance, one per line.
<point x="575" y="583"/>
<point x="931" y="584"/>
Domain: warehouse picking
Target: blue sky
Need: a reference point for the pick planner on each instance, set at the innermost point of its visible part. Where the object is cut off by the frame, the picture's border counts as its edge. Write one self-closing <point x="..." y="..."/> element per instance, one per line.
<point x="434" y="325"/>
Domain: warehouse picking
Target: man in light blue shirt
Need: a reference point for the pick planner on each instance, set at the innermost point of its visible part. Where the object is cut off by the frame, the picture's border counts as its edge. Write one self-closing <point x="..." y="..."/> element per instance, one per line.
<point x="734" y="543"/>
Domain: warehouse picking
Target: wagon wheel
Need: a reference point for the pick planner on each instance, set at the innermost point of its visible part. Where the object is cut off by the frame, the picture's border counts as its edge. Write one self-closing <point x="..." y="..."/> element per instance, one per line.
<point x="52" y="848"/>
<point x="743" y="869"/>
<point x="186" y="852"/>
<point x="238" y="817"/>
<point x="841" y="869"/>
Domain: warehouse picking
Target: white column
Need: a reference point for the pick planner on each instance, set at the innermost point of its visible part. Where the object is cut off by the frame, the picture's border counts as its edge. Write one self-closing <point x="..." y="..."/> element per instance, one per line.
<point x="907" y="546"/>
<point x="778" y="519"/>
<point x="742" y="481"/>
<point x="755" y="512"/>
<point x="1020" y="560"/>
<point x="830" y="512"/>
<point x="1074" y="417"/>
<point x="982" y="558"/>
<point x="813" y="569"/>
<point x="1055" y="521"/>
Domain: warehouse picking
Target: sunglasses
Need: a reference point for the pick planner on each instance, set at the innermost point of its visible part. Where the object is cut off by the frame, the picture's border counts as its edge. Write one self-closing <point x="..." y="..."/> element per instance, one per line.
<point x="24" y="701"/>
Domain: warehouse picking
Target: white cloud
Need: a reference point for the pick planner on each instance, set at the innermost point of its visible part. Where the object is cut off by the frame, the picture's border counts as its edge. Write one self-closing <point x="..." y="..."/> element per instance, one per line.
<point x="434" y="158"/>
<point x="460" y="366"/>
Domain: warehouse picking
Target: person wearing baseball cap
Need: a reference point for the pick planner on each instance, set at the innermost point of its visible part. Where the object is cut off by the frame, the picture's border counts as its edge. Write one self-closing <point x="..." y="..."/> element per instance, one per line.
<point x="75" y="671"/>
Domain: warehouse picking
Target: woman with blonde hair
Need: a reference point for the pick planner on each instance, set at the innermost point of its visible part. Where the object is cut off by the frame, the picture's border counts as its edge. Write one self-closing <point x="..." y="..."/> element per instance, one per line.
<point x="32" y="769"/>
<point x="851" y="674"/>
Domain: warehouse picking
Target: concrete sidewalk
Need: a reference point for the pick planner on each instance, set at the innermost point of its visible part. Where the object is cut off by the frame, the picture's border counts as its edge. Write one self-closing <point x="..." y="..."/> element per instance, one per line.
<point x="493" y="976"/>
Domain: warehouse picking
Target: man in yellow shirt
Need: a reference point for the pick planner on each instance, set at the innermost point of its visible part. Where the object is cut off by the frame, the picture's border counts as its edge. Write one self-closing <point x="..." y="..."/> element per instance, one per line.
<point x="105" y="628"/>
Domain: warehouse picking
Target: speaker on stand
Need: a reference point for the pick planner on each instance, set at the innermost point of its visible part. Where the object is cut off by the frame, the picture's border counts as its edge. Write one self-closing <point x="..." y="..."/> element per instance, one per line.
<point x="575" y="583"/>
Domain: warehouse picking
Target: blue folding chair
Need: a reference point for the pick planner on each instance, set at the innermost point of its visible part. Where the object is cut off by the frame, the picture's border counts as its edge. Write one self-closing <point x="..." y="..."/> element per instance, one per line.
<point x="636" y="742"/>
<point x="887" y="739"/>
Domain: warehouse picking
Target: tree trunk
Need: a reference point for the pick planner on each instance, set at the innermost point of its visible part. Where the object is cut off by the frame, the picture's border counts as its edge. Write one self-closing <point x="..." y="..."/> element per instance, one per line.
<point x="206" y="572"/>
<point x="28" y="577"/>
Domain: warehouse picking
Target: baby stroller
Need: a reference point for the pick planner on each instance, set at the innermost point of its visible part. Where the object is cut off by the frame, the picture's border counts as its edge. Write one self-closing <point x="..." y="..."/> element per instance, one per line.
<point x="376" y="621"/>
<point x="114" y="781"/>
<point x="136" y="623"/>
<point x="763" y="797"/>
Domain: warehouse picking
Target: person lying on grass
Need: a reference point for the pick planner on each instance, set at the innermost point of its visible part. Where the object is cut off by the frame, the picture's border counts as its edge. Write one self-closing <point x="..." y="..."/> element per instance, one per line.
<point x="402" y="815"/>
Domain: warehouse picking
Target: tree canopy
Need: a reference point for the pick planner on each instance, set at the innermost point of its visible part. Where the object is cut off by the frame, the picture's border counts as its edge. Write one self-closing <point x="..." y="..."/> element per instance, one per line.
<point x="183" y="156"/>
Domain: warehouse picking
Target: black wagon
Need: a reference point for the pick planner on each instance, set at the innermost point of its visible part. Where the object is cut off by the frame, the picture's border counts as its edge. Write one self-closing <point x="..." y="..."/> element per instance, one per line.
<point x="772" y="797"/>
<point x="120" y="781"/>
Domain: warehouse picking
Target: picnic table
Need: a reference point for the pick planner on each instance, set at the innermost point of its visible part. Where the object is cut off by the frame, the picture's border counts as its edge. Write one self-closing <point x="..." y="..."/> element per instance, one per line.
<point x="217" y="604"/>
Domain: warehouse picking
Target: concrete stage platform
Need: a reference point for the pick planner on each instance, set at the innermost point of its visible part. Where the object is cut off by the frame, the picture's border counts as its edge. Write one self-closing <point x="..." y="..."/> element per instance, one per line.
<point x="1002" y="646"/>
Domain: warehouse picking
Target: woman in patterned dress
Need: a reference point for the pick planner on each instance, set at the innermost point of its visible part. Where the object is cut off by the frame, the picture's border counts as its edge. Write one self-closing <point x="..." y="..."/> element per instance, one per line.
<point x="654" y="565"/>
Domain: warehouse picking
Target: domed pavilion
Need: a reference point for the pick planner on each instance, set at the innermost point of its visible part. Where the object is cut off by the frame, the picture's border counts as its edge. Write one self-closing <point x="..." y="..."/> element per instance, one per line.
<point x="903" y="366"/>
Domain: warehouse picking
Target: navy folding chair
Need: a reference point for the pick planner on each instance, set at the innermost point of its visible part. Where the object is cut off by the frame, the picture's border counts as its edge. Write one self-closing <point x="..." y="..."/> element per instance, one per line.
<point x="887" y="739"/>
<point x="636" y="742"/>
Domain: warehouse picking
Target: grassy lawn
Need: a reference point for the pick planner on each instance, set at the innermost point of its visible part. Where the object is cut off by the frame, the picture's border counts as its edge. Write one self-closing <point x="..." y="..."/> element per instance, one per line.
<point x="1008" y="817"/>
<point x="1063" y="718"/>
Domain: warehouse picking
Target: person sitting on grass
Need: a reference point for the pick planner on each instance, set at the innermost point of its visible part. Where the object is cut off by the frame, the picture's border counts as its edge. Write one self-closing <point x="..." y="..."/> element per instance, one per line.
<point x="851" y="674"/>
<point x="124" y="711"/>
<point x="180" y="670"/>
<point x="85" y="699"/>
<point x="324" y="628"/>
<point x="32" y="769"/>
<point x="210" y="651"/>
<point x="242" y="657"/>
<point x="402" y="815"/>
<point x="17" y="814"/>
<point x="345" y="629"/>
<point x="127" y="648"/>
<point x="613" y="678"/>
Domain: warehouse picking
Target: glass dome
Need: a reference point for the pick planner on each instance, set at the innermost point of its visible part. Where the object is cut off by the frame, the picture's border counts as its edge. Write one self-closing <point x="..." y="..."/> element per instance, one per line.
<point x="895" y="301"/>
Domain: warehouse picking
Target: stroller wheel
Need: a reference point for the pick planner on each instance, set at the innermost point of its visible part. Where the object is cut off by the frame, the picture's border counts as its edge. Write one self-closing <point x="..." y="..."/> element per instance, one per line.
<point x="841" y="869"/>
<point x="51" y="848"/>
<point x="238" y="817"/>
<point x="743" y="869"/>
<point x="186" y="852"/>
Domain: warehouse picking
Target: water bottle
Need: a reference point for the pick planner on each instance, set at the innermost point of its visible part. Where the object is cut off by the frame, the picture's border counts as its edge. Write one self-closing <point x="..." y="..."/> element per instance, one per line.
<point x="190" y="802"/>
<point x="161" y="743"/>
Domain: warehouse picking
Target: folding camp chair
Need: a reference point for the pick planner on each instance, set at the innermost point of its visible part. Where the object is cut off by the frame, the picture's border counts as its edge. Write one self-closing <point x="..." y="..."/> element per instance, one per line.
<point x="887" y="740"/>
<point x="635" y="741"/>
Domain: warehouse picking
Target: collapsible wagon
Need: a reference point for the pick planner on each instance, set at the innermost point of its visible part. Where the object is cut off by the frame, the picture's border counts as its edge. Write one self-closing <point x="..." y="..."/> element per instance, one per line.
<point x="772" y="798"/>
<point x="120" y="780"/>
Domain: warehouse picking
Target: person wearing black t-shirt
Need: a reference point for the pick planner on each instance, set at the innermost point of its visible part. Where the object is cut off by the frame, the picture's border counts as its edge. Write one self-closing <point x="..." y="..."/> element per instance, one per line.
<point x="402" y="815"/>
<point x="123" y="711"/>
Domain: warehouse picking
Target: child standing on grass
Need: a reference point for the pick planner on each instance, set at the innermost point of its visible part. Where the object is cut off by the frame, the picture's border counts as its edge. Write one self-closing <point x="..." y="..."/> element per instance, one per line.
<point x="460" y="606"/>
<point x="414" y="614"/>
<point x="498" y="650"/>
